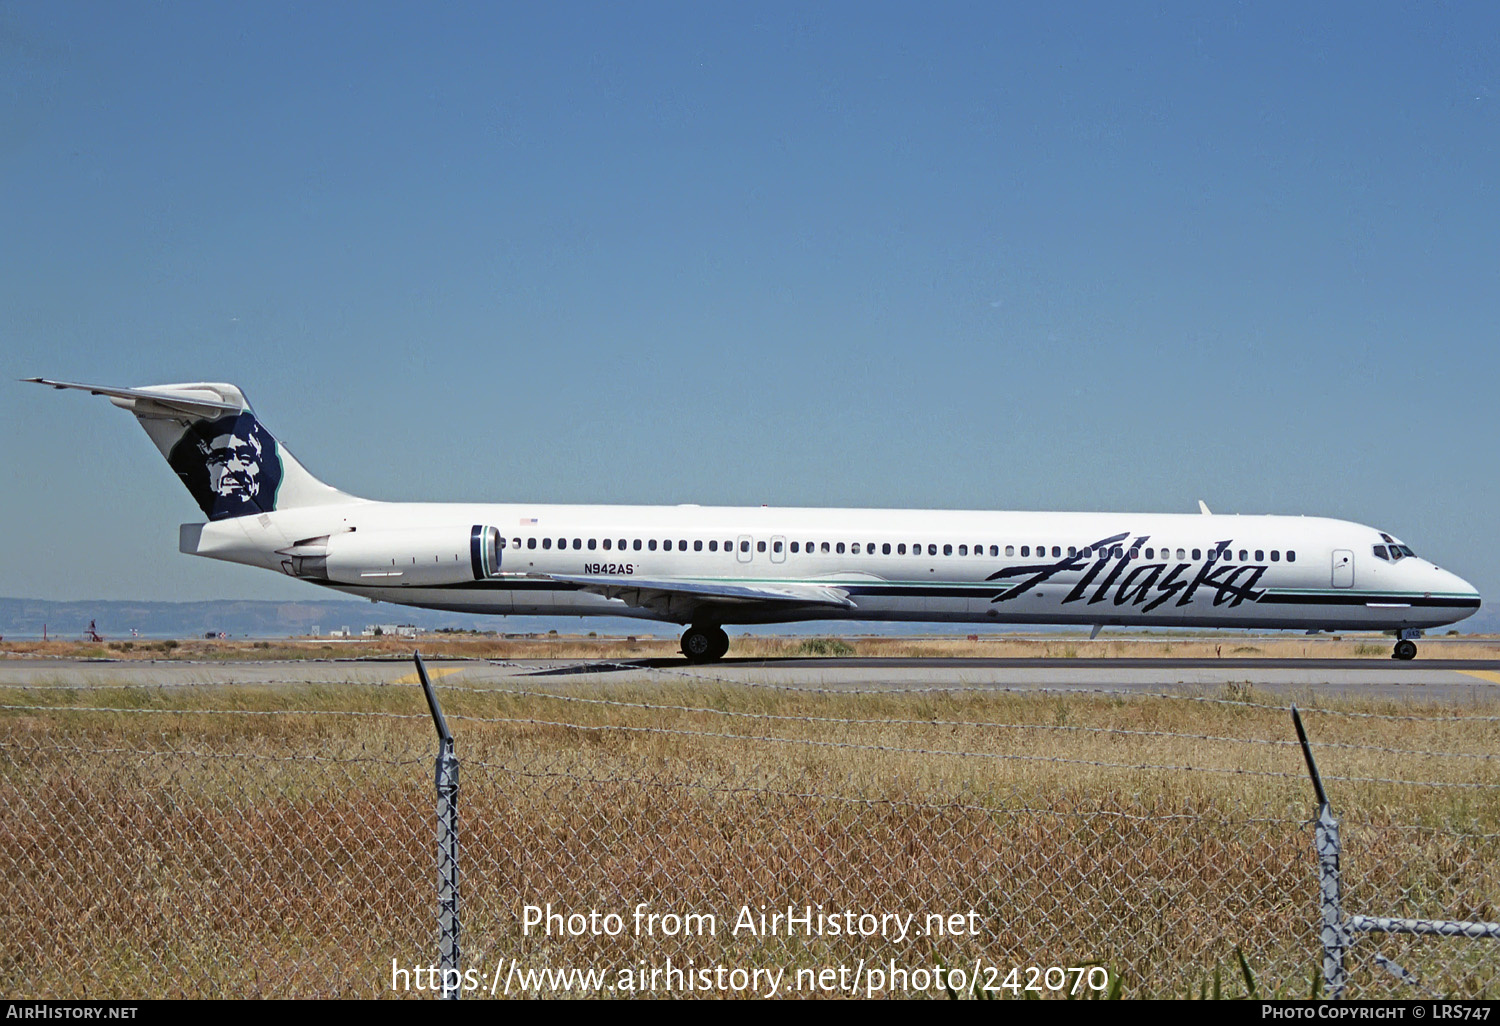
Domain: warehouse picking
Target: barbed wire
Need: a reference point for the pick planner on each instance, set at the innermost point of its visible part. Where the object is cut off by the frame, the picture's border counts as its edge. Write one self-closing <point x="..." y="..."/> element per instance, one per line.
<point x="195" y="753"/>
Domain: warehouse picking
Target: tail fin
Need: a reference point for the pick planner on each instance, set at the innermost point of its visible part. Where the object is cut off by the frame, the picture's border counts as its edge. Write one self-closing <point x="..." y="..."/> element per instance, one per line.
<point x="230" y="463"/>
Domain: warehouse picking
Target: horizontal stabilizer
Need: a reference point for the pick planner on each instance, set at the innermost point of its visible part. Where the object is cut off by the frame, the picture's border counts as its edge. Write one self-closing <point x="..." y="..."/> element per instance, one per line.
<point x="195" y="402"/>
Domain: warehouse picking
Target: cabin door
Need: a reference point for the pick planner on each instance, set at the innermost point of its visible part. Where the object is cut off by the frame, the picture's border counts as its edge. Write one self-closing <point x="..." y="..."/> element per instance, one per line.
<point x="1343" y="568"/>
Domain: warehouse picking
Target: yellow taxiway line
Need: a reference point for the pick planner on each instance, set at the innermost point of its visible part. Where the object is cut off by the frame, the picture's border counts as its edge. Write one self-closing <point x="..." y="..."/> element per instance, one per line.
<point x="412" y="678"/>
<point x="1489" y="675"/>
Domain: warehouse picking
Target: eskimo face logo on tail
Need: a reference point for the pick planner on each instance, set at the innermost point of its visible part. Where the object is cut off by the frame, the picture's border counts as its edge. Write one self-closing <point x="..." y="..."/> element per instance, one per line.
<point x="230" y="465"/>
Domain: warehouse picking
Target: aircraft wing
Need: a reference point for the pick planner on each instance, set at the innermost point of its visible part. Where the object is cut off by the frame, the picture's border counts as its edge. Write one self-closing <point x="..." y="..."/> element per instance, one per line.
<point x="675" y="599"/>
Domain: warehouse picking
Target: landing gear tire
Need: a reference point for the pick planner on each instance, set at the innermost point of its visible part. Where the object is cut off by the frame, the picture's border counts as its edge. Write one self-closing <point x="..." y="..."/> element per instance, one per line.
<point x="704" y="644"/>
<point x="1405" y="650"/>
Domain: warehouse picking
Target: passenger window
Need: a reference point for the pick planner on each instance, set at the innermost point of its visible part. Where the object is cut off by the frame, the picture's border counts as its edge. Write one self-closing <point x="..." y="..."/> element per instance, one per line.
<point x="1010" y="550"/>
<point x="827" y="548"/>
<point x="794" y="546"/>
<point x="1244" y="556"/>
<point x="744" y="546"/>
<point x="1086" y="553"/>
<point x="531" y="543"/>
<point x="1135" y="553"/>
<point x="1072" y="552"/>
<point x="637" y="545"/>
<point x="776" y="546"/>
<point x="1056" y="551"/>
<point x="593" y="544"/>
<point x="578" y="543"/>
<point x="1276" y="555"/>
<point x="963" y="550"/>
<point x="1291" y="557"/>
<point x="1260" y="555"/>
<point x="697" y="544"/>
<point x="994" y="550"/>
<point x="1181" y="554"/>
<point x="760" y="546"/>
<point x="901" y="548"/>
<point x="839" y="548"/>
<point x="606" y="544"/>
<point x="1197" y="553"/>
<point x="947" y="550"/>
<point x="515" y="543"/>
<point x="854" y="549"/>
<point x="546" y="543"/>
<point x="620" y="544"/>
<point x="651" y="544"/>
<point x="885" y="550"/>
<point x="713" y="546"/>
<point x="931" y="549"/>
<point x="1025" y="550"/>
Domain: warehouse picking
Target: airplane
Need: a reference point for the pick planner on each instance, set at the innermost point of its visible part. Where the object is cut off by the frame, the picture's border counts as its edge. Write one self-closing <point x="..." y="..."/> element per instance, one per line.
<point x="706" y="567"/>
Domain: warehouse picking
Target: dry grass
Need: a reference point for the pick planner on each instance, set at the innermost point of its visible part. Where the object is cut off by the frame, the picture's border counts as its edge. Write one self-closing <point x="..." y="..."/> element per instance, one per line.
<point x="231" y="853"/>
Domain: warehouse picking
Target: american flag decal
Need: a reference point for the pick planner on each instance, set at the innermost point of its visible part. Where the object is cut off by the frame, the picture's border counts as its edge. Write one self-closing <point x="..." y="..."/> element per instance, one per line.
<point x="527" y="520"/>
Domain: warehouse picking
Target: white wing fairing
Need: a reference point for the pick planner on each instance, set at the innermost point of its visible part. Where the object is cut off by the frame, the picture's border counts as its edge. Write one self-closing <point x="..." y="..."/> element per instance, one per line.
<point x="713" y="566"/>
<point x="684" y="602"/>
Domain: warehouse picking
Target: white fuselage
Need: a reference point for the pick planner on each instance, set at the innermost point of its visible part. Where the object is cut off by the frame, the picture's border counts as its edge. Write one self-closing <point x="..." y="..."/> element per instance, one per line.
<point x="1134" y="569"/>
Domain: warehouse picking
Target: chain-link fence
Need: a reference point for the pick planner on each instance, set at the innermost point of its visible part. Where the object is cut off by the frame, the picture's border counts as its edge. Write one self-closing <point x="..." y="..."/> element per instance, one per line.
<point x="693" y="834"/>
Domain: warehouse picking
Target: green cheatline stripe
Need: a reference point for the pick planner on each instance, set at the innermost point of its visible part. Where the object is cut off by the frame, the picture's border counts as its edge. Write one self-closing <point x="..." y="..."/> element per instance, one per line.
<point x="1358" y="591"/>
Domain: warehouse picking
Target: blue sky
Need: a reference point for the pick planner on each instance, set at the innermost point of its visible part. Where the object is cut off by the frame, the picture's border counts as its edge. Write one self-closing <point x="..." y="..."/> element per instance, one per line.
<point x="990" y="256"/>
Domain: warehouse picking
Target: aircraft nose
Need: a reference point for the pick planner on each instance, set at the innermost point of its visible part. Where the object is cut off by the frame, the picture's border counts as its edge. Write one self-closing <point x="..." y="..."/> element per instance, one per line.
<point x="1451" y="584"/>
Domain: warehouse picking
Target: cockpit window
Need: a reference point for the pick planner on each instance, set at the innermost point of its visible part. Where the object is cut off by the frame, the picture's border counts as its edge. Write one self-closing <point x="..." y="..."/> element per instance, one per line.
<point x="1394" y="551"/>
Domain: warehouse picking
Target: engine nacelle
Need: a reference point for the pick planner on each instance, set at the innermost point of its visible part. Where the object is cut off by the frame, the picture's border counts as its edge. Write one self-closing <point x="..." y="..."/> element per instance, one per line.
<point x="413" y="557"/>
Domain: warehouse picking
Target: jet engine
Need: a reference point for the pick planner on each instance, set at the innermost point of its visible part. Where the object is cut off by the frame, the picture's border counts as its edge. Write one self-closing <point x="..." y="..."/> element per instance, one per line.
<point x="415" y="557"/>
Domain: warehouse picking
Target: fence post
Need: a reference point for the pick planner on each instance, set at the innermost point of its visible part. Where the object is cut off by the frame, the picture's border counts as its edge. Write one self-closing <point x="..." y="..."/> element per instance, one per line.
<point x="447" y="843"/>
<point x="1332" y="932"/>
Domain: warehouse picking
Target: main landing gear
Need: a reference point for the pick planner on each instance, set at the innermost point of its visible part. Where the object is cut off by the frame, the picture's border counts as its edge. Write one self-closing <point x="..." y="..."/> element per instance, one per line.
<point x="1406" y="648"/>
<point x="704" y="644"/>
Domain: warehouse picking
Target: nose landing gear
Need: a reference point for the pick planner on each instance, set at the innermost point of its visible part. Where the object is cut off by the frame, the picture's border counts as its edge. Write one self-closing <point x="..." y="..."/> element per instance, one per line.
<point x="704" y="644"/>
<point x="1406" y="648"/>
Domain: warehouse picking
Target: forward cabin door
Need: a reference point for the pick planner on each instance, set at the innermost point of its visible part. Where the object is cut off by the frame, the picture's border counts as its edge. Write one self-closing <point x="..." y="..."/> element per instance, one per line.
<point x="1343" y="568"/>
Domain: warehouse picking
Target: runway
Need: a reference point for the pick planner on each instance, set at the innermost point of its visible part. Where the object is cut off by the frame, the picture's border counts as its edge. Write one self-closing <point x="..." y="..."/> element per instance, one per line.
<point x="1459" y="681"/>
